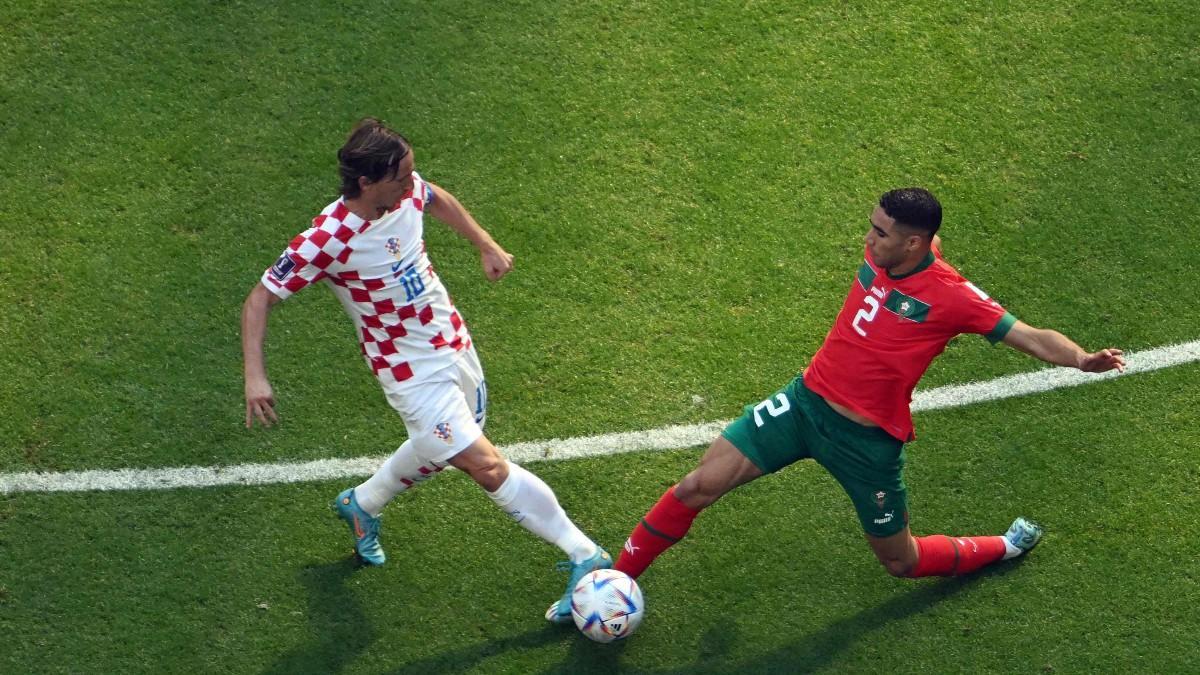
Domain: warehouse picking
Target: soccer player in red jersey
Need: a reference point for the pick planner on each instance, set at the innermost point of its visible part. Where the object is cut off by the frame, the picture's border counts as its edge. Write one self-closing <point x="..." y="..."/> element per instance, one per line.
<point x="368" y="247"/>
<point x="849" y="410"/>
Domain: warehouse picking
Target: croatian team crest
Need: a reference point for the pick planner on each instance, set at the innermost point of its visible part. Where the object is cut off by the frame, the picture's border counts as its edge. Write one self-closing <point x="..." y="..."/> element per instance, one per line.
<point x="443" y="432"/>
<point x="393" y="246"/>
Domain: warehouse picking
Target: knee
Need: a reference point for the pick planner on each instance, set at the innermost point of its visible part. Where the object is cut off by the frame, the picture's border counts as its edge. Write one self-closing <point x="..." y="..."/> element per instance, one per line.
<point x="483" y="463"/>
<point x="490" y="474"/>
<point x="898" y="567"/>
<point x="898" y="553"/>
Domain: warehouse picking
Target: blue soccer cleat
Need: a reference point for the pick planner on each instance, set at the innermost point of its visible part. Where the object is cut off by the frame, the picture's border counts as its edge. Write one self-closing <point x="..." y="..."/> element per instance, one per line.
<point x="363" y="526"/>
<point x="560" y="611"/>
<point x="1024" y="534"/>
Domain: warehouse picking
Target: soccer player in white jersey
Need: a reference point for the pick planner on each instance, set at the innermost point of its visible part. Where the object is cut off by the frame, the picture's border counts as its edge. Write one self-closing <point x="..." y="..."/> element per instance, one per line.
<point x="368" y="246"/>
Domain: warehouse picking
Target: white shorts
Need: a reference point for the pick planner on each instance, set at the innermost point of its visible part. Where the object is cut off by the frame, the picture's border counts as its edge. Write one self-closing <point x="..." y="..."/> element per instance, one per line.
<point x="444" y="412"/>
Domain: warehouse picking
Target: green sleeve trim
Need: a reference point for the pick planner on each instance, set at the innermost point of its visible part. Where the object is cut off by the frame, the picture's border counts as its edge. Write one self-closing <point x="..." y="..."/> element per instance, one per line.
<point x="1004" y="325"/>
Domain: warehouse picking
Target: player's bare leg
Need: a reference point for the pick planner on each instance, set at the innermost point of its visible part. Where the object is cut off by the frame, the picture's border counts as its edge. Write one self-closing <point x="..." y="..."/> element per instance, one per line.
<point x="530" y="502"/>
<point x="897" y="553"/>
<point x="722" y="469"/>
<point x="483" y="463"/>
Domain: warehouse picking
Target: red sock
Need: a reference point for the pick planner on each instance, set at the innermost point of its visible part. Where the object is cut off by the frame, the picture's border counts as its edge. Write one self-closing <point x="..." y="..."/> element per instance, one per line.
<point x="664" y="525"/>
<point x="942" y="556"/>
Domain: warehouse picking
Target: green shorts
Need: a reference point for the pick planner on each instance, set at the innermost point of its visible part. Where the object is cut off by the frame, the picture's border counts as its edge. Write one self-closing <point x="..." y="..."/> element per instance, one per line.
<point x="796" y="424"/>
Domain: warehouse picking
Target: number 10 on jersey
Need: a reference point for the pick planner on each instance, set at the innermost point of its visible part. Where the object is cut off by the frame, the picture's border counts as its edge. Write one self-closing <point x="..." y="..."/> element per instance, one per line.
<point x="412" y="282"/>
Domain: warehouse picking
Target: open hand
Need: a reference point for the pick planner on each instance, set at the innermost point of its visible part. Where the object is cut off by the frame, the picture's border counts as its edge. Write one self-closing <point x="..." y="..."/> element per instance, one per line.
<point x="260" y="404"/>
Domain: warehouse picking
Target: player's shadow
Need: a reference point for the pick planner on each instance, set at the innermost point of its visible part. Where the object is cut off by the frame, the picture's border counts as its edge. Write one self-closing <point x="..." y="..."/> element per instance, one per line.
<point x="473" y="656"/>
<point x="591" y="657"/>
<point x="818" y="650"/>
<point x="814" y="652"/>
<point x="585" y="656"/>
<point x="337" y="620"/>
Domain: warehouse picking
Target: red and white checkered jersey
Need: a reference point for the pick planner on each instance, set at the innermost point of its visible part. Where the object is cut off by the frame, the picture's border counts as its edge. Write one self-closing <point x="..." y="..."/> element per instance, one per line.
<point x="406" y="323"/>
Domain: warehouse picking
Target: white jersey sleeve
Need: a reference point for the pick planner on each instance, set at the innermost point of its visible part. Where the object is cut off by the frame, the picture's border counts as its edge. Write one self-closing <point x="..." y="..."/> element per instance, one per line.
<point x="315" y="253"/>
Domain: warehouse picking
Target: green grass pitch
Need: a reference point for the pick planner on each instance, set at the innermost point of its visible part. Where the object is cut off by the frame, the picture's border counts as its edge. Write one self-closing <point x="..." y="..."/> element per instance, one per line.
<point x="685" y="187"/>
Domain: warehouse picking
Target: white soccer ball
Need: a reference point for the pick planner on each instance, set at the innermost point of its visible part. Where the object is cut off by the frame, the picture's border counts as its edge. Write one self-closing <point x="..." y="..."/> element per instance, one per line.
<point x="607" y="605"/>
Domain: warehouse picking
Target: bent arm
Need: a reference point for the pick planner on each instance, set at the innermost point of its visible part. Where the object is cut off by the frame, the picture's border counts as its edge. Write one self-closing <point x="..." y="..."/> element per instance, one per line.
<point x="1052" y="346"/>
<point x="445" y="207"/>
<point x="260" y="401"/>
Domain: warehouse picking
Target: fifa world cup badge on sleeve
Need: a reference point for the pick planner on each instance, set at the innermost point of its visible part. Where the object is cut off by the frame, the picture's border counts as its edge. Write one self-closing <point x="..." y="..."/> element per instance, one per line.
<point x="282" y="266"/>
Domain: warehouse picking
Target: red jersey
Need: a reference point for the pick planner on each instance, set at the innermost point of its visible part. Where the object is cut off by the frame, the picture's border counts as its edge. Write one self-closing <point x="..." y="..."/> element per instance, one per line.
<point x="890" y="330"/>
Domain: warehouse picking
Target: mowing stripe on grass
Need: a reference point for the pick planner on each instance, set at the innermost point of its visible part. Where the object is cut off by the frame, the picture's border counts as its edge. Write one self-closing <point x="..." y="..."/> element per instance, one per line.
<point x="664" y="438"/>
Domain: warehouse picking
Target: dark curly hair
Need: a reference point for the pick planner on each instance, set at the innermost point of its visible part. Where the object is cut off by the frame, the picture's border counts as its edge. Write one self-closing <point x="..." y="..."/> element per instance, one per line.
<point x="913" y="207"/>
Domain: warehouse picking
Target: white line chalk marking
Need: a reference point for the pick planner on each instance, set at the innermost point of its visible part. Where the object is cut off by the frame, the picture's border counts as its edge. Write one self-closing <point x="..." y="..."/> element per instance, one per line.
<point x="665" y="438"/>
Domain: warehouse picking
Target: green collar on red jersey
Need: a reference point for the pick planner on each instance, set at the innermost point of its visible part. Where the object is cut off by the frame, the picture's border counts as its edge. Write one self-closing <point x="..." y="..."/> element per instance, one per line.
<point x="929" y="258"/>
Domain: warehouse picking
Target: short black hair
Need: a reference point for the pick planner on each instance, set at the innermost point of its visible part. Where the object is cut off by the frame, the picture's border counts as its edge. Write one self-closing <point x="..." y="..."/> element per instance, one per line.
<point x="372" y="150"/>
<point x="913" y="207"/>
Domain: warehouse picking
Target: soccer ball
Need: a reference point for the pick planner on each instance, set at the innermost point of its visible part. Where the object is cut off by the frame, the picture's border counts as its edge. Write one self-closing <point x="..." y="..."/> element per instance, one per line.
<point x="607" y="605"/>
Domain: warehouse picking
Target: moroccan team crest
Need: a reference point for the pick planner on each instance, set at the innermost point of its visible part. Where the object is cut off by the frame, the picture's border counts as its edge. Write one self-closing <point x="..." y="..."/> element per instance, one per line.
<point x="879" y="499"/>
<point x="444" y="432"/>
<point x="906" y="307"/>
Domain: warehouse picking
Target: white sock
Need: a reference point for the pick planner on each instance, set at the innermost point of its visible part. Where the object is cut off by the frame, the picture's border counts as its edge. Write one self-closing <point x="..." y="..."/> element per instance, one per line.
<point x="1010" y="551"/>
<point x="530" y="502"/>
<point x="401" y="471"/>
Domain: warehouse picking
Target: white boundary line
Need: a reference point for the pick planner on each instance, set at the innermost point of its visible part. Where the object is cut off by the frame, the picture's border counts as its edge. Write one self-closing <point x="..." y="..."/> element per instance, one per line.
<point x="664" y="438"/>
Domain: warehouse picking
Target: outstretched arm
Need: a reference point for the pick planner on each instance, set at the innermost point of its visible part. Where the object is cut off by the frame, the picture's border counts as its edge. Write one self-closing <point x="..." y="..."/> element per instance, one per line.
<point x="260" y="401"/>
<point x="1054" y="347"/>
<point x="496" y="261"/>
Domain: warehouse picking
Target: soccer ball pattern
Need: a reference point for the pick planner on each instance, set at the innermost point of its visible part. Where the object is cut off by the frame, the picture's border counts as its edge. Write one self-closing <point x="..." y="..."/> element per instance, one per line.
<point x="607" y="605"/>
